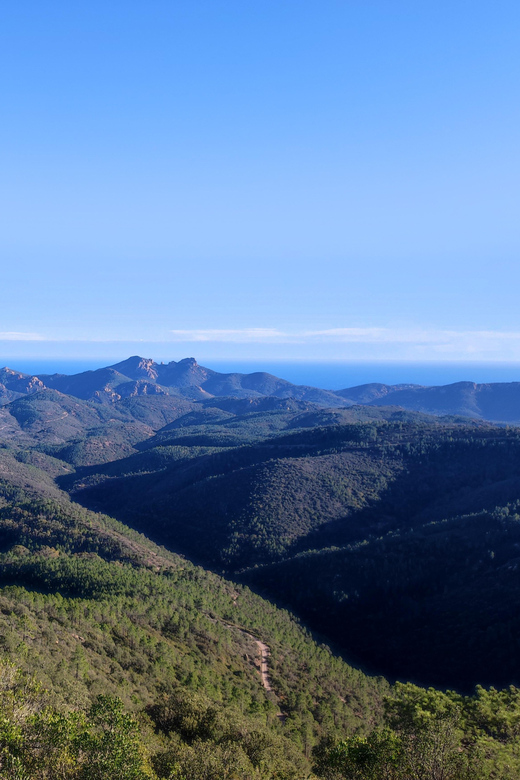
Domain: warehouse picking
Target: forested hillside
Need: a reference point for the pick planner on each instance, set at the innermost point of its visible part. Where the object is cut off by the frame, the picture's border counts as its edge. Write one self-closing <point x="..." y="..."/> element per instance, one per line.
<point x="337" y="517"/>
<point x="131" y="662"/>
<point x="392" y="534"/>
<point x="97" y="610"/>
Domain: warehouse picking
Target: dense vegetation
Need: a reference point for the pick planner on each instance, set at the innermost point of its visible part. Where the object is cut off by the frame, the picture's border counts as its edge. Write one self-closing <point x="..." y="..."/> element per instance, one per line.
<point x="99" y="611"/>
<point x="437" y="604"/>
<point x="432" y="736"/>
<point x="393" y="534"/>
<point x="366" y="529"/>
<point x="427" y="734"/>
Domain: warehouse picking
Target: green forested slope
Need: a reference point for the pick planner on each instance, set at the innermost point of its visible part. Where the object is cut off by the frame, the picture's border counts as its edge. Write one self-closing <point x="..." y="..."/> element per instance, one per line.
<point x="380" y="528"/>
<point x="370" y="490"/>
<point x="96" y="609"/>
<point x="239" y="505"/>
<point x="132" y="663"/>
<point x="306" y="489"/>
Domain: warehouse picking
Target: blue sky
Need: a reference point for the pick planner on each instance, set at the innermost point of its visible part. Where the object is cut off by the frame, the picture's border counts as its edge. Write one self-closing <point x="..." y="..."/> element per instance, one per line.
<point x="261" y="179"/>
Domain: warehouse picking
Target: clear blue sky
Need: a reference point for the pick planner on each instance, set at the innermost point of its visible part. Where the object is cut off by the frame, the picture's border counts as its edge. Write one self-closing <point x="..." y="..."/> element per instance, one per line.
<point x="262" y="178"/>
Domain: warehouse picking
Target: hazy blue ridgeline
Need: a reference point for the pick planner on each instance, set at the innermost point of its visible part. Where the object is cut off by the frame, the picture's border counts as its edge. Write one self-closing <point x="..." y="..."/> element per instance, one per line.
<point x="330" y="376"/>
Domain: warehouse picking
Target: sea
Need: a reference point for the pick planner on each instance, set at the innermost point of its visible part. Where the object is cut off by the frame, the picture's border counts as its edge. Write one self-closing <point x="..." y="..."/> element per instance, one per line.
<point x="326" y="375"/>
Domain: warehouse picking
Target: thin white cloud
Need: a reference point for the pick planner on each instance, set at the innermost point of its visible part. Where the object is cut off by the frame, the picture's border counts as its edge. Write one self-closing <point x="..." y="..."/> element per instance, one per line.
<point x="378" y="343"/>
<point x="372" y="335"/>
<point x="410" y="335"/>
<point x="245" y="335"/>
<point x="15" y="336"/>
<point x="345" y="335"/>
<point x="410" y="343"/>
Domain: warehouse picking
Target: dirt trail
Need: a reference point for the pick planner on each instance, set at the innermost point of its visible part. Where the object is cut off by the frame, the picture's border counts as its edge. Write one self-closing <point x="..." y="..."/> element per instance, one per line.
<point x="263" y="652"/>
<point x="264" y="655"/>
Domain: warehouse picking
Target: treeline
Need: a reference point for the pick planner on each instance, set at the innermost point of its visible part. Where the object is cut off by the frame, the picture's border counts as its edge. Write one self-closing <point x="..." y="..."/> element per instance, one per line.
<point x="184" y="737"/>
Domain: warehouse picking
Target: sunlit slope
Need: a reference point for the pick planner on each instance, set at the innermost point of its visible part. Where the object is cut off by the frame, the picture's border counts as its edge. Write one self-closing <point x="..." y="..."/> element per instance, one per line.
<point x="98" y="608"/>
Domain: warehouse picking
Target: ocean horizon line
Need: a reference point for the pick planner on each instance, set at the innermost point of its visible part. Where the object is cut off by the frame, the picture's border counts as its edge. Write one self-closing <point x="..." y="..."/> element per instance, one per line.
<point x="325" y="373"/>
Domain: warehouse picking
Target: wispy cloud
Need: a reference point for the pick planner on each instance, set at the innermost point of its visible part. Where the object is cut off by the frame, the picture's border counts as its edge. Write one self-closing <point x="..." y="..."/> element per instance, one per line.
<point x="418" y="343"/>
<point x="371" y="335"/>
<point x="244" y="335"/>
<point x="412" y="335"/>
<point x="11" y="335"/>
<point x="375" y="343"/>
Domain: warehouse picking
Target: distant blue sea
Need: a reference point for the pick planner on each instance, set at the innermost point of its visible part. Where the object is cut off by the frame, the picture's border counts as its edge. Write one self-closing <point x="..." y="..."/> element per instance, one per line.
<point x="330" y="376"/>
<point x="338" y="375"/>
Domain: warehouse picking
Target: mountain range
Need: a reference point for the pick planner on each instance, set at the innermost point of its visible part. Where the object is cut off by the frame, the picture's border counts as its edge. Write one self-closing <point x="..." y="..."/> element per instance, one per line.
<point x="186" y="379"/>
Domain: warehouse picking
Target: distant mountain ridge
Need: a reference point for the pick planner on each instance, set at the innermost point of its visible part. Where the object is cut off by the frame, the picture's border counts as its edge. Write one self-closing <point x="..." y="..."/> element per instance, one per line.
<point x="138" y="376"/>
<point x="142" y="376"/>
<point x="496" y="402"/>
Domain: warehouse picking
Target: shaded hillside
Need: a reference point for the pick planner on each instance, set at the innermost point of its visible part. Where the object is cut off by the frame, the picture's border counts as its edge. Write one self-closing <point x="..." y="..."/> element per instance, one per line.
<point x="232" y="508"/>
<point x="363" y="488"/>
<point x="244" y="504"/>
<point x="238" y="505"/>
<point x="438" y="604"/>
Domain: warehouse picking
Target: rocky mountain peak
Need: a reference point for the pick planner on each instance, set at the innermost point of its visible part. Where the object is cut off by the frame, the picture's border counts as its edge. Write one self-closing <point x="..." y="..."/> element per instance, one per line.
<point x="137" y="367"/>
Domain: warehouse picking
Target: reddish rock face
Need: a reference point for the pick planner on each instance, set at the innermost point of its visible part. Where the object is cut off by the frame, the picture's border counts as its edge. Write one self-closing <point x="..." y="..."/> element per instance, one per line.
<point x="20" y="383"/>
